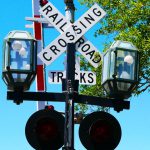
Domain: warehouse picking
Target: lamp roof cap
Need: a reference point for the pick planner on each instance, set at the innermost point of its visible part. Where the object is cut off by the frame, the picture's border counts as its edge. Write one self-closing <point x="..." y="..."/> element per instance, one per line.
<point x="123" y="44"/>
<point x="18" y="34"/>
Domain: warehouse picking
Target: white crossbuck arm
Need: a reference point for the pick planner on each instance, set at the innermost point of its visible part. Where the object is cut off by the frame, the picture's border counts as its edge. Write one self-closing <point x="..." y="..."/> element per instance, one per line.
<point x="71" y="33"/>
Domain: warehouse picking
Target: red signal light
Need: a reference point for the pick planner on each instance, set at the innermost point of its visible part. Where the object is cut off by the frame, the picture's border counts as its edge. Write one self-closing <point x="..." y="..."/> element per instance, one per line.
<point x="49" y="107"/>
<point x="45" y="130"/>
<point x="100" y="131"/>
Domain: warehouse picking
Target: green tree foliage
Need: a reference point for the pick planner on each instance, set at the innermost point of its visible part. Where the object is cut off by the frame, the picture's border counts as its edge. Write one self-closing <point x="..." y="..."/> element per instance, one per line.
<point x="127" y="20"/>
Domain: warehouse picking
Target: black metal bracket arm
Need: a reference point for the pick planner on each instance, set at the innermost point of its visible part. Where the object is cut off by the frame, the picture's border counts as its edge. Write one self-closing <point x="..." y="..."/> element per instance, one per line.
<point x="117" y="104"/>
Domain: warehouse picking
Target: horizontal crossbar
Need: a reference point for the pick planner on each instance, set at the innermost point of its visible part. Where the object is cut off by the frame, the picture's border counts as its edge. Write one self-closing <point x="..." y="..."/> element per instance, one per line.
<point x="117" y="104"/>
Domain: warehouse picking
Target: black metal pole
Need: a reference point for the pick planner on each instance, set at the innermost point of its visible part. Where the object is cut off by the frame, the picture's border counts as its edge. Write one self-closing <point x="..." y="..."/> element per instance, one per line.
<point x="69" y="82"/>
<point x="69" y="109"/>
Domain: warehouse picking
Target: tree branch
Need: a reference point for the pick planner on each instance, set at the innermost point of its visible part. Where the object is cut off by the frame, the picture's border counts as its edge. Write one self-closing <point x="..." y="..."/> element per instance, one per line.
<point x="145" y="88"/>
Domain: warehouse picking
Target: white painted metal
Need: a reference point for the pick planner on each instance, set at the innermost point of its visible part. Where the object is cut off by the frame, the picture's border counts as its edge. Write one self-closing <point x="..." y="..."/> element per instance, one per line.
<point x="81" y="26"/>
<point x="54" y="50"/>
<point x="35" y="11"/>
<point x="53" y="16"/>
<point x="29" y="26"/>
<point x="84" y="77"/>
<point x="95" y="13"/>
<point x="71" y="34"/>
<point x="40" y="20"/>
<point x="91" y="53"/>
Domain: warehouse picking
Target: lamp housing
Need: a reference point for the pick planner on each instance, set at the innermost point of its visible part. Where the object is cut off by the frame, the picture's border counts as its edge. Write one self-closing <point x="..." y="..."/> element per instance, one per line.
<point x="120" y="69"/>
<point x="19" y="60"/>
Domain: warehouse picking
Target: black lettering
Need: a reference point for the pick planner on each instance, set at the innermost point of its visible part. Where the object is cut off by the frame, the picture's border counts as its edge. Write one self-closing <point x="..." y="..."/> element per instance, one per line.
<point x="75" y="28"/>
<point x="79" y="42"/>
<point x="68" y="34"/>
<point x="91" y="53"/>
<point x="61" y="28"/>
<point x="62" y="43"/>
<point x="97" y="13"/>
<point x="53" y="48"/>
<point x="89" y="19"/>
<point x="48" y="59"/>
<point x="90" y="75"/>
<point x="83" y="24"/>
<point x="48" y="9"/>
<point x="53" y="75"/>
<point x="54" y="17"/>
<point x="82" y="77"/>
<point x="60" y="76"/>
<point x="97" y="59"/>
<point x="85" y="47"/>
<point x="59" y="21"/>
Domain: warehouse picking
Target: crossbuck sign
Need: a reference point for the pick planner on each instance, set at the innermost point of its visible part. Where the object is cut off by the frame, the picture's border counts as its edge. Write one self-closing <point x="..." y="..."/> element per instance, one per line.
<point x="71" y="33"/>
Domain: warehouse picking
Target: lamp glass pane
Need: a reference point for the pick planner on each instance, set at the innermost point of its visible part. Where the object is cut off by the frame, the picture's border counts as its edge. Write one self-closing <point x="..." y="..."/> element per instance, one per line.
<point x="123" y="86"/>
<point x="20" y="54"/>
<point x="105" y="67"/>
<point x="107" y="88"/>
<point x="125" y="64"/>
<point x="112" y="64"/>
<point x="6" y="56"/>
<point x="19" y="77"/>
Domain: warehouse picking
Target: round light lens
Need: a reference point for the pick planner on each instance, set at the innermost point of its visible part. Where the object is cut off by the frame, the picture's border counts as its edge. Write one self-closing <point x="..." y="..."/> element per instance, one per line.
<point x="47" y="130"/>
<point x="101" y="132"/>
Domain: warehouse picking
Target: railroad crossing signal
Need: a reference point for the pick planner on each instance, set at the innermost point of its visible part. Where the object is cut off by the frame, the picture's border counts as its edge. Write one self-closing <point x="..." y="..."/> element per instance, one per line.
<point x="100" y="131"/>
<point x="71" y="33"/>
<point x="45" y="130"/>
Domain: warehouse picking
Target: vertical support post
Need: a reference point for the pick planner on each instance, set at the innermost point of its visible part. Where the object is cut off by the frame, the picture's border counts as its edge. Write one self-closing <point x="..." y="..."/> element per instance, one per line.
<point x="70" y="8"/>
<point x="70" y="83"/>
<point x="69" y="109"/>
<point x="40" y="79"/>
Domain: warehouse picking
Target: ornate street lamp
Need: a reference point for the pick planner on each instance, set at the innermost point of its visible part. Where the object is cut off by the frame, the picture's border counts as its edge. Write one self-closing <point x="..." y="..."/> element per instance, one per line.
<point x="120" y="69"/>
<point x="19" y="60"/>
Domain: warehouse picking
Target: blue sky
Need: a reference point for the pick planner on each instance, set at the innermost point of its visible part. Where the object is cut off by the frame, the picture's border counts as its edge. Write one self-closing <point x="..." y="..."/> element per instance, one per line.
<point x="135" y="122"/>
